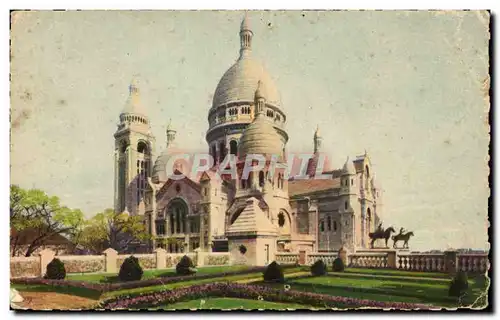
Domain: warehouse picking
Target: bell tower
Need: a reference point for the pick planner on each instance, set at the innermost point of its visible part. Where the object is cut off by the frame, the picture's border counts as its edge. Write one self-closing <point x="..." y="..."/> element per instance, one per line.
<point x="134" y="147"/>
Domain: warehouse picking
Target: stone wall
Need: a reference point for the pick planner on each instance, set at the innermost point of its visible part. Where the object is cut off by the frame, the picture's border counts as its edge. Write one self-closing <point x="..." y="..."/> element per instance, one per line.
<point x="109" y="262"/>
<point x="24" y="267"/>
<point x="81" y="264"/>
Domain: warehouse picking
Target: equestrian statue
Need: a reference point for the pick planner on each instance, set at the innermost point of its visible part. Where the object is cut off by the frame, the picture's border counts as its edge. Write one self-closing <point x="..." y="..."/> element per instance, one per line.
<point x="380" y="233"/>
<point x="402" y="236"/>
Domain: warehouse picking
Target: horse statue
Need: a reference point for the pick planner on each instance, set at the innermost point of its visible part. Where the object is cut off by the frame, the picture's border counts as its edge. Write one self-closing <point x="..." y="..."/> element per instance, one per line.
<point x="402" y="237"/>
<point x="381" y="234"/>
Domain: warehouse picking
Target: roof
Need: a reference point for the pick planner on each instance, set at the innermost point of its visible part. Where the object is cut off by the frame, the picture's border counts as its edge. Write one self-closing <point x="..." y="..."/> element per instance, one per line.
<point x="133" y="105"/>
<point x="252" y="220"/>
<point x="305" y="186"/>
<point x="239" y="82"/>
<point x="260" y="137"/>
<point x="27" y="236"/>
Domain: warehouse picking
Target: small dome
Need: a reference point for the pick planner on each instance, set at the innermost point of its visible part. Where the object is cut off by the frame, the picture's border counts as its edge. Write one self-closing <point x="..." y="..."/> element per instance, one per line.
<point x="348" y="167"/>
<point x="260" y="137"/>
<point x="159" y="173"/>
<point x="133" y="105"/>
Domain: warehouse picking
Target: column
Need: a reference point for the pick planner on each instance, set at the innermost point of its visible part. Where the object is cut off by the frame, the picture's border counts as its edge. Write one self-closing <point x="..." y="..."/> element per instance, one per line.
<point x="46" y="256"/>
<point x="110" y="256"/>
<point x="202" y="232"/>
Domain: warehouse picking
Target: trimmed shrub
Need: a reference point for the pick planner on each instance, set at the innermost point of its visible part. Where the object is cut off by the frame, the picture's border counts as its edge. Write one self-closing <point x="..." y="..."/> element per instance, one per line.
<point x="185" y="266"/>
<point x="318" y="268"/>
<point x="274" y="273"/>
<point x="338" y="265"/>
<point x="55" y="270"/>
<point x="458" y="285"/>
<point x="130" y="270"/>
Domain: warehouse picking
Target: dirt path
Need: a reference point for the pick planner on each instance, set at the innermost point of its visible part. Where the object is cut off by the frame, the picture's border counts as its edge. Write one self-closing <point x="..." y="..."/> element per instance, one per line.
<point x="54" y="301"/>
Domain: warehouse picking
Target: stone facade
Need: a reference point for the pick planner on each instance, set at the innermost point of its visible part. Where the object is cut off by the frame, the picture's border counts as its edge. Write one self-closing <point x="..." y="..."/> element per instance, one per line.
<point x="246" y="117"/>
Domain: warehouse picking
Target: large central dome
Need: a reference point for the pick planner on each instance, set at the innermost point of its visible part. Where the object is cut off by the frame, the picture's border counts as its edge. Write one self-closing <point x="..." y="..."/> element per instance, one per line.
<point x="240" y="81"/>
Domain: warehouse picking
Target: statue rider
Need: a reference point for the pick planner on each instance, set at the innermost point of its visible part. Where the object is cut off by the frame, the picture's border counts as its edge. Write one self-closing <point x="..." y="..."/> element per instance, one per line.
<point x="401" y="231"/>
<point x="380" y="229"/>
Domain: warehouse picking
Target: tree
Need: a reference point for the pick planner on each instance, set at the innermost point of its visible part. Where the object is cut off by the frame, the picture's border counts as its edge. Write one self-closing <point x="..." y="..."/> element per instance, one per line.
<point x="34" y="210"/>
<point x="109" y="229"/>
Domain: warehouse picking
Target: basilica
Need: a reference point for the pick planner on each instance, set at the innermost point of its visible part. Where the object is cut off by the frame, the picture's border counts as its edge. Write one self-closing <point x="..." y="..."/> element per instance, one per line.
<point x="264" y="213"/>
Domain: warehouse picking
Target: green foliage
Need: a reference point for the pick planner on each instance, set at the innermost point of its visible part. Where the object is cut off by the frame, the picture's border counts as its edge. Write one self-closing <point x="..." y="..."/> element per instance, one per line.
<point x="458" y="285"/>
<point x="55" y="270"/>
<point x="185" y="266"/>
<point x="130" y="270"/>
<point x="34" y="209"/>
<point x="109" y="229"/>
<point x="318" y="268"/>
<point x="274" y="273"/>
<point x="338" y="265"/>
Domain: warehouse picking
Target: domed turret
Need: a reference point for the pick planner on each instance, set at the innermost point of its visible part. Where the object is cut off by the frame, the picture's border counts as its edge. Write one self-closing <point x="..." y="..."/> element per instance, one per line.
<point x="348" y="168"/>
<point x="260" y="137"/>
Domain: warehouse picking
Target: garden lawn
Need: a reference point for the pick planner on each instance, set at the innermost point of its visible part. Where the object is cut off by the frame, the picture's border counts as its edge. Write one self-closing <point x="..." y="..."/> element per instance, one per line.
<point x="149" y="274"/>
<point x="231" y="303"/>
<point x="236" y="278"/>
<point x="428" y="290"/>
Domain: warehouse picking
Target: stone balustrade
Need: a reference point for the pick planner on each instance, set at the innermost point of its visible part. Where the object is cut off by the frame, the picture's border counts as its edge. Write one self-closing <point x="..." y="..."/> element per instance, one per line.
<point x="287" y="258"/>
<point x="327" y="257"/>
<point x="421" y="262"/>
<point x="368" y="260"/>
<point x="475" y="263"/>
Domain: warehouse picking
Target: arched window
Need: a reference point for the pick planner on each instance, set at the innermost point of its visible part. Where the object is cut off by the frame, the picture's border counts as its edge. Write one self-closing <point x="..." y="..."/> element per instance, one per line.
<point x="243" y="184"/>
<point x="233" y="147"/>
<point x="367" y="171"/>
<point x="329" y="223"/>
<point x="222" y="151"/>
<point x="334" y="225"/>
<point x="352" y="182"/>
<point x="142" y="147"/>
<point x="214" y="152"/>
<point x="281" y="219"/>
<point x="346" y="205"/>
<point x="369" y="218"/>
<point x="322" y="226"/>
<point x="261" y="178"/>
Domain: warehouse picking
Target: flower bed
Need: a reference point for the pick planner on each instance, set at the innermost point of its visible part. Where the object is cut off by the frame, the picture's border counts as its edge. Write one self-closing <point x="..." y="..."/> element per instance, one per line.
<point x="235" y="290"/>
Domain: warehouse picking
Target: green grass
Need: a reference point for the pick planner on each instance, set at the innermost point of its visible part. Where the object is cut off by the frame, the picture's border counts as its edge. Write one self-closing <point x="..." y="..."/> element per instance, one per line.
<point x="379" y="285"/>
<point x="149" y="274"/>
<point x="231" y="303"/>
<point x="170" y="286"/>
<point x="398" y="289"/>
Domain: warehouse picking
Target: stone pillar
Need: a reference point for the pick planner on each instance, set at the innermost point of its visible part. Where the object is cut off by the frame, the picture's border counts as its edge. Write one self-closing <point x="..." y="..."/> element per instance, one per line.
<point x="160" y="258"/>
<point x="167" y="224"/>
<point x="110" y="257"/>
<point x="200" y="257"/>
<point x="46" y="256"/>
<point x="187" y="244"/>
<point x="202" y="232"/>
<point x="391" y="259"/>
<point x="450" y="262"/>
<point x="343" y="255"/>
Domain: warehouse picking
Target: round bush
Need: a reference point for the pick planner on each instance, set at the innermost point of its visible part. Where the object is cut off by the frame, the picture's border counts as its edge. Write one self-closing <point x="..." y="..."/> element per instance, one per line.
<point x="55" y="270"/>
<point x="458" y="285"/>
<point x="318" y="268"/>
<point x="185" y="266"/>
<point x="274" y="273"/>
<point x="130" y="270"/>
<point x="338" y="265"/>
